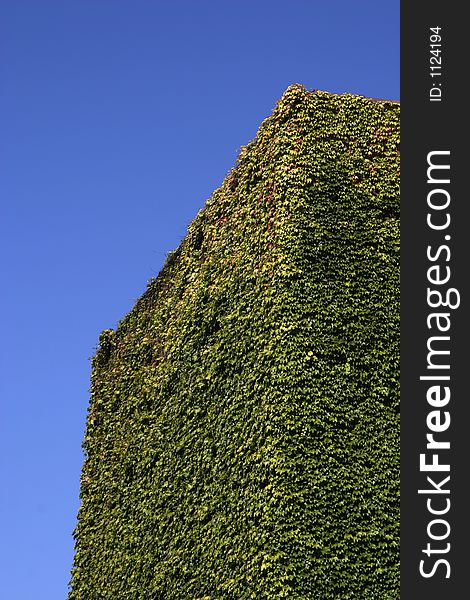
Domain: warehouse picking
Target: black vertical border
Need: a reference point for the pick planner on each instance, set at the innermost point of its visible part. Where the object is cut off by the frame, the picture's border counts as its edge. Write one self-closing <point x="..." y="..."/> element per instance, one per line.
<point x="428" y="126"/>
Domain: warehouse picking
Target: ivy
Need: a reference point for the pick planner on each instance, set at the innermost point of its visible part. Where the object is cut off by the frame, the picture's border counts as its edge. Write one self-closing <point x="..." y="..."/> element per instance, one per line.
<point x="242" y="440"/>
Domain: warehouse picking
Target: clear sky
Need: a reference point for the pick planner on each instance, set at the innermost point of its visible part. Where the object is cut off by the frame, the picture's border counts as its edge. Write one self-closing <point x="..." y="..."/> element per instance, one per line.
<point x="118" y="120"/>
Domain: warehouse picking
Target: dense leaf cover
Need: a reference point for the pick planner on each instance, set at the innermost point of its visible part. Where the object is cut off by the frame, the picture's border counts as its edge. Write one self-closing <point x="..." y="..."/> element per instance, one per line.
<point x="242" y="439"/>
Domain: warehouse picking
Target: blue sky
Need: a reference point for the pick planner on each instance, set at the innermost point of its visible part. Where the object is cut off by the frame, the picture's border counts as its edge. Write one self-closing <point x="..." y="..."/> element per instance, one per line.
<point x="119" y="119"/>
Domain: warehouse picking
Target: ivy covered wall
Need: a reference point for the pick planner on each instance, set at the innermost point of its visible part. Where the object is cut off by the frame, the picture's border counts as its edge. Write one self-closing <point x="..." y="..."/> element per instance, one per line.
<point x="242" y="439"/>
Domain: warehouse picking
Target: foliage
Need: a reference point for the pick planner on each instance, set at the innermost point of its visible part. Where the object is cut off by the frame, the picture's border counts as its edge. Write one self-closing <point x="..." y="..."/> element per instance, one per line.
<point x="243" y="437"/>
